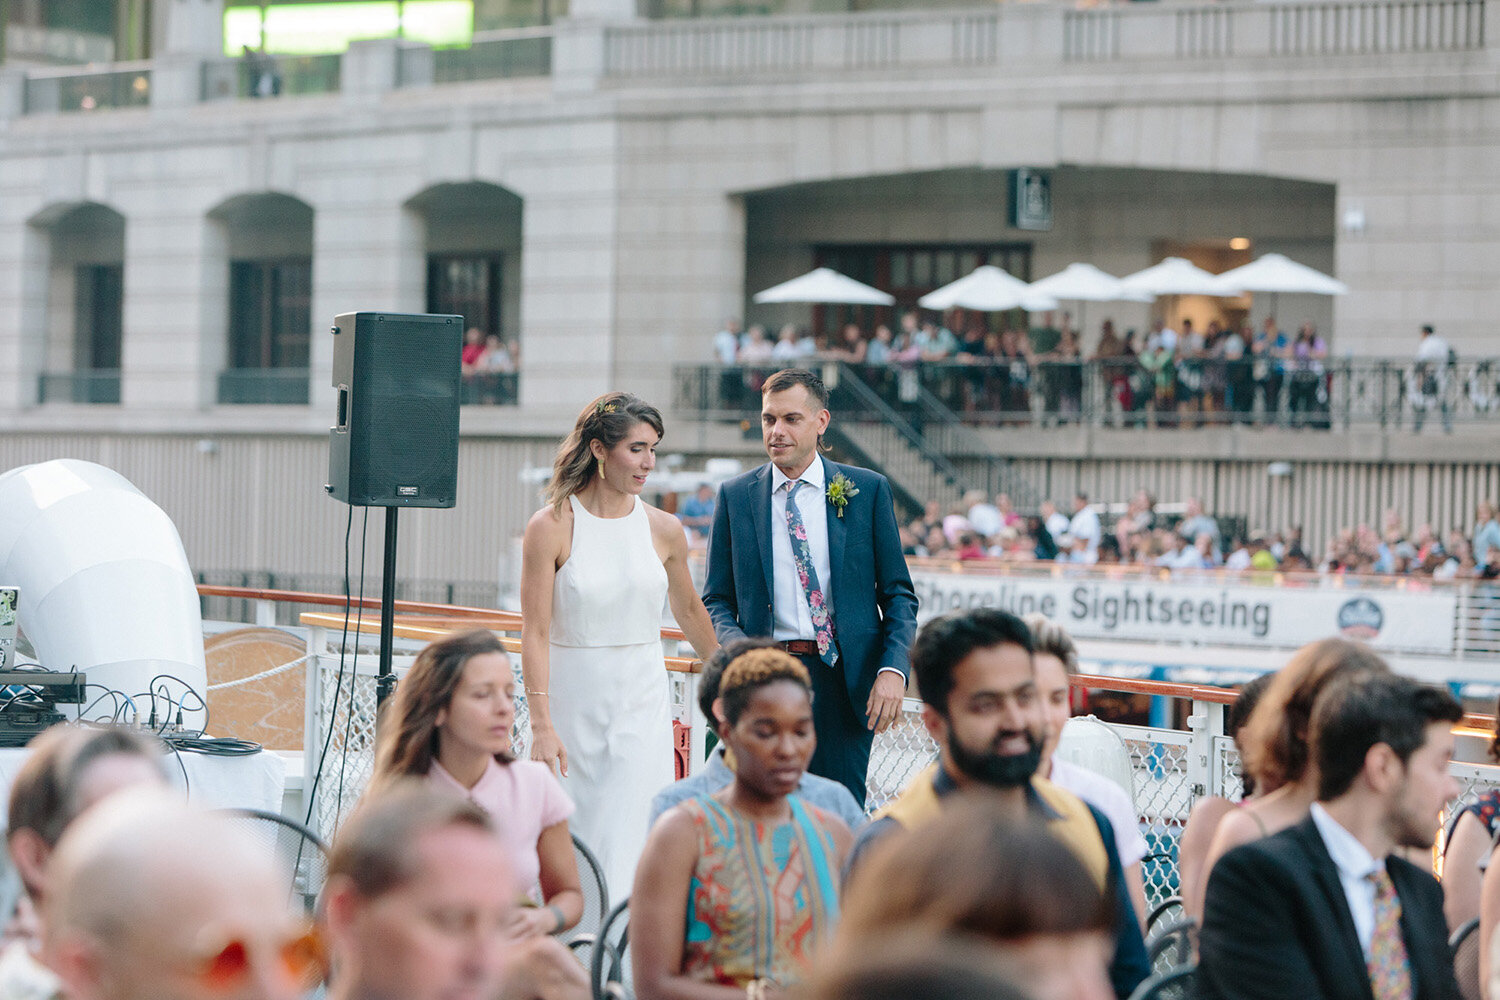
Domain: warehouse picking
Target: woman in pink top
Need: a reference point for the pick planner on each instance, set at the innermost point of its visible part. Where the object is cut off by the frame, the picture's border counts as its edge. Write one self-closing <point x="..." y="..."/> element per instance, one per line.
<point x="450" y="721"/>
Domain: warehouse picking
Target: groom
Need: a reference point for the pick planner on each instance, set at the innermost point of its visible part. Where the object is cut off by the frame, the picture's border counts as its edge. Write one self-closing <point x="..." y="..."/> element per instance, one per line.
<point x="806" y="551"/>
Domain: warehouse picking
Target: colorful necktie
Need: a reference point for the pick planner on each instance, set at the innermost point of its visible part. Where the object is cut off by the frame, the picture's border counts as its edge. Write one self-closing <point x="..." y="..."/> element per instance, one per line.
<point x="816" y="604"/>
<point x="1390" y="972"/>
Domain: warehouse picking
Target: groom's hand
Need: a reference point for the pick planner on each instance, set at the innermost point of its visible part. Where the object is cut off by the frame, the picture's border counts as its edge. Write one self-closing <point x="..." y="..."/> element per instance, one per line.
<point x="885" y="700"/>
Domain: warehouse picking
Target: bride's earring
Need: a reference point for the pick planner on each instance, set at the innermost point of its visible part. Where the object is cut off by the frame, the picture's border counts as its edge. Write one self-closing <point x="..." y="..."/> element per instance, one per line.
<point x="601" y="468"/>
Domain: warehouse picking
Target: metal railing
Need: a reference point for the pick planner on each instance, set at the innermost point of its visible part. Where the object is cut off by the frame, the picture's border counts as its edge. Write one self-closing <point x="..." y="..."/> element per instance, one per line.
<point x="1341" y="393"/>
<point x="260" y="386"/>
<point x="495" y="56"/>
<point x="91" y="386"/>
<point x="270" y="76"/>
<point x="120" y="85"/>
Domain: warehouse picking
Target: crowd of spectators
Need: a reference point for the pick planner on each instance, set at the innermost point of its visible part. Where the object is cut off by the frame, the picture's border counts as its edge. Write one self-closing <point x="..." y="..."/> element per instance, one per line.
<point x="1192" y="539"/>
<point x="1173" y="376"/>
<point x="489" y="365"/>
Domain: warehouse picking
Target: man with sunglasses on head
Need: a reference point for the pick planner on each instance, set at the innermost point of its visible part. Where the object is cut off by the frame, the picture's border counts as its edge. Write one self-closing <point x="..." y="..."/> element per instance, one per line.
<point x="151" y="899"/>
<point x="421" y="904"/>
<point x="68" y="770"/>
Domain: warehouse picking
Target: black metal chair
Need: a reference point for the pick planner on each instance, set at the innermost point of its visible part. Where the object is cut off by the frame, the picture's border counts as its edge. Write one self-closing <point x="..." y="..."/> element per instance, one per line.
<point x="1173" y="945"/>
<point x="1169" y="907"/>
<point x="300" y="848"/>
<point x="1465" y="944"/>
<point x="595" y="899"/>
<point x="1174" y="984"/>
<point x="609" y="968"/>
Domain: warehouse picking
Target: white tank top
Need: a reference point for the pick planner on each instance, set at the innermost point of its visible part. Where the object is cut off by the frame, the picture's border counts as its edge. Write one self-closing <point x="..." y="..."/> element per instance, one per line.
<point x="612" y="589"/>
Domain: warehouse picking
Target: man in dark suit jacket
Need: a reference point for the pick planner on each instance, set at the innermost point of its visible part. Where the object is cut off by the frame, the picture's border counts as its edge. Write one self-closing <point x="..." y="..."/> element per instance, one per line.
<point x="1303" y="913"/>
<point x="853" y="618"/>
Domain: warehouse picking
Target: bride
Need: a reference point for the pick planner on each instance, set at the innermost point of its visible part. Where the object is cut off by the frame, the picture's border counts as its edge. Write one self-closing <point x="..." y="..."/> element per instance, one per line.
<point x="597" y="563"/>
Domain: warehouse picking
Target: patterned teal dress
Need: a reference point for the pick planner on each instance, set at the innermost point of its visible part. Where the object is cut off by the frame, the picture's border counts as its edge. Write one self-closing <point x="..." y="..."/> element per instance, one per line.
<point x="763" y="897"/>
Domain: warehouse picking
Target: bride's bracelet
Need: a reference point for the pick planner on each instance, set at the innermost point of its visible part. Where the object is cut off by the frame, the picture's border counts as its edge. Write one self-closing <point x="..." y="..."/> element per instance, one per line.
<point x="535" y="694"/>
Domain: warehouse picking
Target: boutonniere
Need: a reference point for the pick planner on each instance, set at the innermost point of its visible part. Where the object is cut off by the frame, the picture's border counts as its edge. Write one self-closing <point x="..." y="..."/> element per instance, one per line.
<point x="840" y="490"/>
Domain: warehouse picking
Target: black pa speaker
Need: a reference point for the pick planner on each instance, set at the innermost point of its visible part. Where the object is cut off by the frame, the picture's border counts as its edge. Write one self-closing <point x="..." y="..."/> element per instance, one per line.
<point x="396" y="443"/>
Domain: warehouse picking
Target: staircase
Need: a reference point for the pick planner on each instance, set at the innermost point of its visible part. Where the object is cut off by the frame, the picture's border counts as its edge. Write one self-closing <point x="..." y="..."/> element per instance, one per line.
<point x="910" y="446"/>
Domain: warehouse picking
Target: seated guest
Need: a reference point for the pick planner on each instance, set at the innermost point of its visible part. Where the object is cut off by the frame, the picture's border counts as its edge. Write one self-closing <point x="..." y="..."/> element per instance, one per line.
<point x="716" y="773"/>
<point x="1056" y="660"/>
<point x="736" y="891"/>
<point x="1471" y="833"/>
<point x="975" y="673"/>
<point x="67" y="770"/>
<point x="1209" y="810"/>
<point x="420" y="905"/>
<point x="450" y="722"/>
<point x="1323" y="910"/>
<point x="150" y="899"/>
<point x="1276" y="745"/>
<point x="980" y="871"/>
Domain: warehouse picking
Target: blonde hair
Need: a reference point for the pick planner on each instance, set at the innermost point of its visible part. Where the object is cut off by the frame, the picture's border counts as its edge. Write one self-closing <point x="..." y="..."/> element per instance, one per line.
<point x="607" y="420"/>
<point x="755" y="669"/>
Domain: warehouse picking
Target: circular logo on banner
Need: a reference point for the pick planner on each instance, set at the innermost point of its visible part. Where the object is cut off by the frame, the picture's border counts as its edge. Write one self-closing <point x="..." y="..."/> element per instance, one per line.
<point x="1360" y="618"/>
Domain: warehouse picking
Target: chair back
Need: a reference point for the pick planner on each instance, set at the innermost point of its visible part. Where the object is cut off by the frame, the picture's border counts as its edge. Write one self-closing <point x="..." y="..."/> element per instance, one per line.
<point x="595" y="894"/>
<point x="1167" y="910"/>
<point x="1174" y="984"/>
<point x="1091" y="743"/>
<point x="609" y="968"/>
<point x="1465" y="944"/>
<point x="301" y="850"/>
<point x="1173" y="945"/>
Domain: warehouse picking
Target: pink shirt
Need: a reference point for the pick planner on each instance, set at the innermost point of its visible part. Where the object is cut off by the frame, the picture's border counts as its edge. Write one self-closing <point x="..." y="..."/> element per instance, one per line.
<point x="523" y="798"/>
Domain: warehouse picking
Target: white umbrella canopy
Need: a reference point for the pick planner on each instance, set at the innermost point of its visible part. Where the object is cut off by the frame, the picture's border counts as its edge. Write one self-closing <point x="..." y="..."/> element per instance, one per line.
<point x="1273" y="272"/>
<point x="1086" y="283"/>
<point x="1176" y="276"/>
<point x="988" y="289"/>
<point x="825" y="285"/>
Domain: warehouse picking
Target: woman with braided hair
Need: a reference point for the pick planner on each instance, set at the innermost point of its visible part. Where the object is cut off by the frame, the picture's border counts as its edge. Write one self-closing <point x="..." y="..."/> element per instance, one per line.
<point x="752" y="871"/>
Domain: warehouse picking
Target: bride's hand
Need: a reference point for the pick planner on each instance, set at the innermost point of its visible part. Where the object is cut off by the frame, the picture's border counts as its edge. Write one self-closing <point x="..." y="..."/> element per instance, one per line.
<point x="547" y="748"/>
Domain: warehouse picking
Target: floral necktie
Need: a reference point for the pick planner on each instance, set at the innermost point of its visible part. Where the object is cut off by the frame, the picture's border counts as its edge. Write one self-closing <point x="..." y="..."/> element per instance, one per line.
<point x="816" y="604"/>
<point x="1390" y="971"/>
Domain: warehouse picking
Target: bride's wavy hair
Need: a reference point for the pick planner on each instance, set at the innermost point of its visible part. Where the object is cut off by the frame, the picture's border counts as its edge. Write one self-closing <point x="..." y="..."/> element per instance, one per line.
<point x="407" y="743"/>
<point x="607" y="420"/>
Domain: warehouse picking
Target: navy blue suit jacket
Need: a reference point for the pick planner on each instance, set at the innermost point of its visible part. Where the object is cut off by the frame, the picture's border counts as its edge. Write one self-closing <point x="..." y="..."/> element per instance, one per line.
<point x="874" y="605"/>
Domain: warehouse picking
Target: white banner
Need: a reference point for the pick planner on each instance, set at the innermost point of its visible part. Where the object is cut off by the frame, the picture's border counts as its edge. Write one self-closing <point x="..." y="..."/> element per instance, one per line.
<point x="1204" y="611"/>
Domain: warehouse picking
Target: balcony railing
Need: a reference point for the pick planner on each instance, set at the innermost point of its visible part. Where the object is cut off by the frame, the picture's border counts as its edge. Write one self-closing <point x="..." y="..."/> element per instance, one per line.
<point x="270" y="76"/>
<point x="93" y="386"/>
<point x="122" y="85"/>
<point x="1385" y="392"/>
<point x="496" y="56"/>
<point x="275" y="386"/>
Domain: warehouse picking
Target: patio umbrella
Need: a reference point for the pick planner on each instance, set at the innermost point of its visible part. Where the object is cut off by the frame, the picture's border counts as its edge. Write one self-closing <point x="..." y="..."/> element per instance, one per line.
<point x="1176" y="276"/>
<point x="1085" y="283"/>
<point x="825" y="285"/>
<point x="1274" y="273"/>
<point x="987" y="289"/>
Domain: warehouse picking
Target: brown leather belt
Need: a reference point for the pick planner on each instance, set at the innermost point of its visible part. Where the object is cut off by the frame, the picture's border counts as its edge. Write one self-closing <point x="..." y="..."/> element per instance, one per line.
<point x="799" y="647"/>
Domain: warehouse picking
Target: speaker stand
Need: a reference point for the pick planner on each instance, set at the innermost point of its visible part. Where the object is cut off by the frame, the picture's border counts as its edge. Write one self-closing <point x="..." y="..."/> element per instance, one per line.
<point x="385" y="680"/>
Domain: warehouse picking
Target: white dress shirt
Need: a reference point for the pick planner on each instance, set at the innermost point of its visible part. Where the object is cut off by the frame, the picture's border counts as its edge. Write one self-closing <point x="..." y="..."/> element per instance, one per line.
<point x="1355" y="865"/>
<point x="793" y="619"/>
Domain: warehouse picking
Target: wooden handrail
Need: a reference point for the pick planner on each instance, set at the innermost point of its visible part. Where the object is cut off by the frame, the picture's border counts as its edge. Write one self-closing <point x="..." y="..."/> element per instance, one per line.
<point x="509" y="620"/>
<point x="428" y="629"/>
<point x="1222" y="696"/>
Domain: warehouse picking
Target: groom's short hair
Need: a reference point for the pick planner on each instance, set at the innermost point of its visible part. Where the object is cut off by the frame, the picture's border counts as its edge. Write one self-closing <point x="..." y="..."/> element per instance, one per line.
<point x="789" y="378"/>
